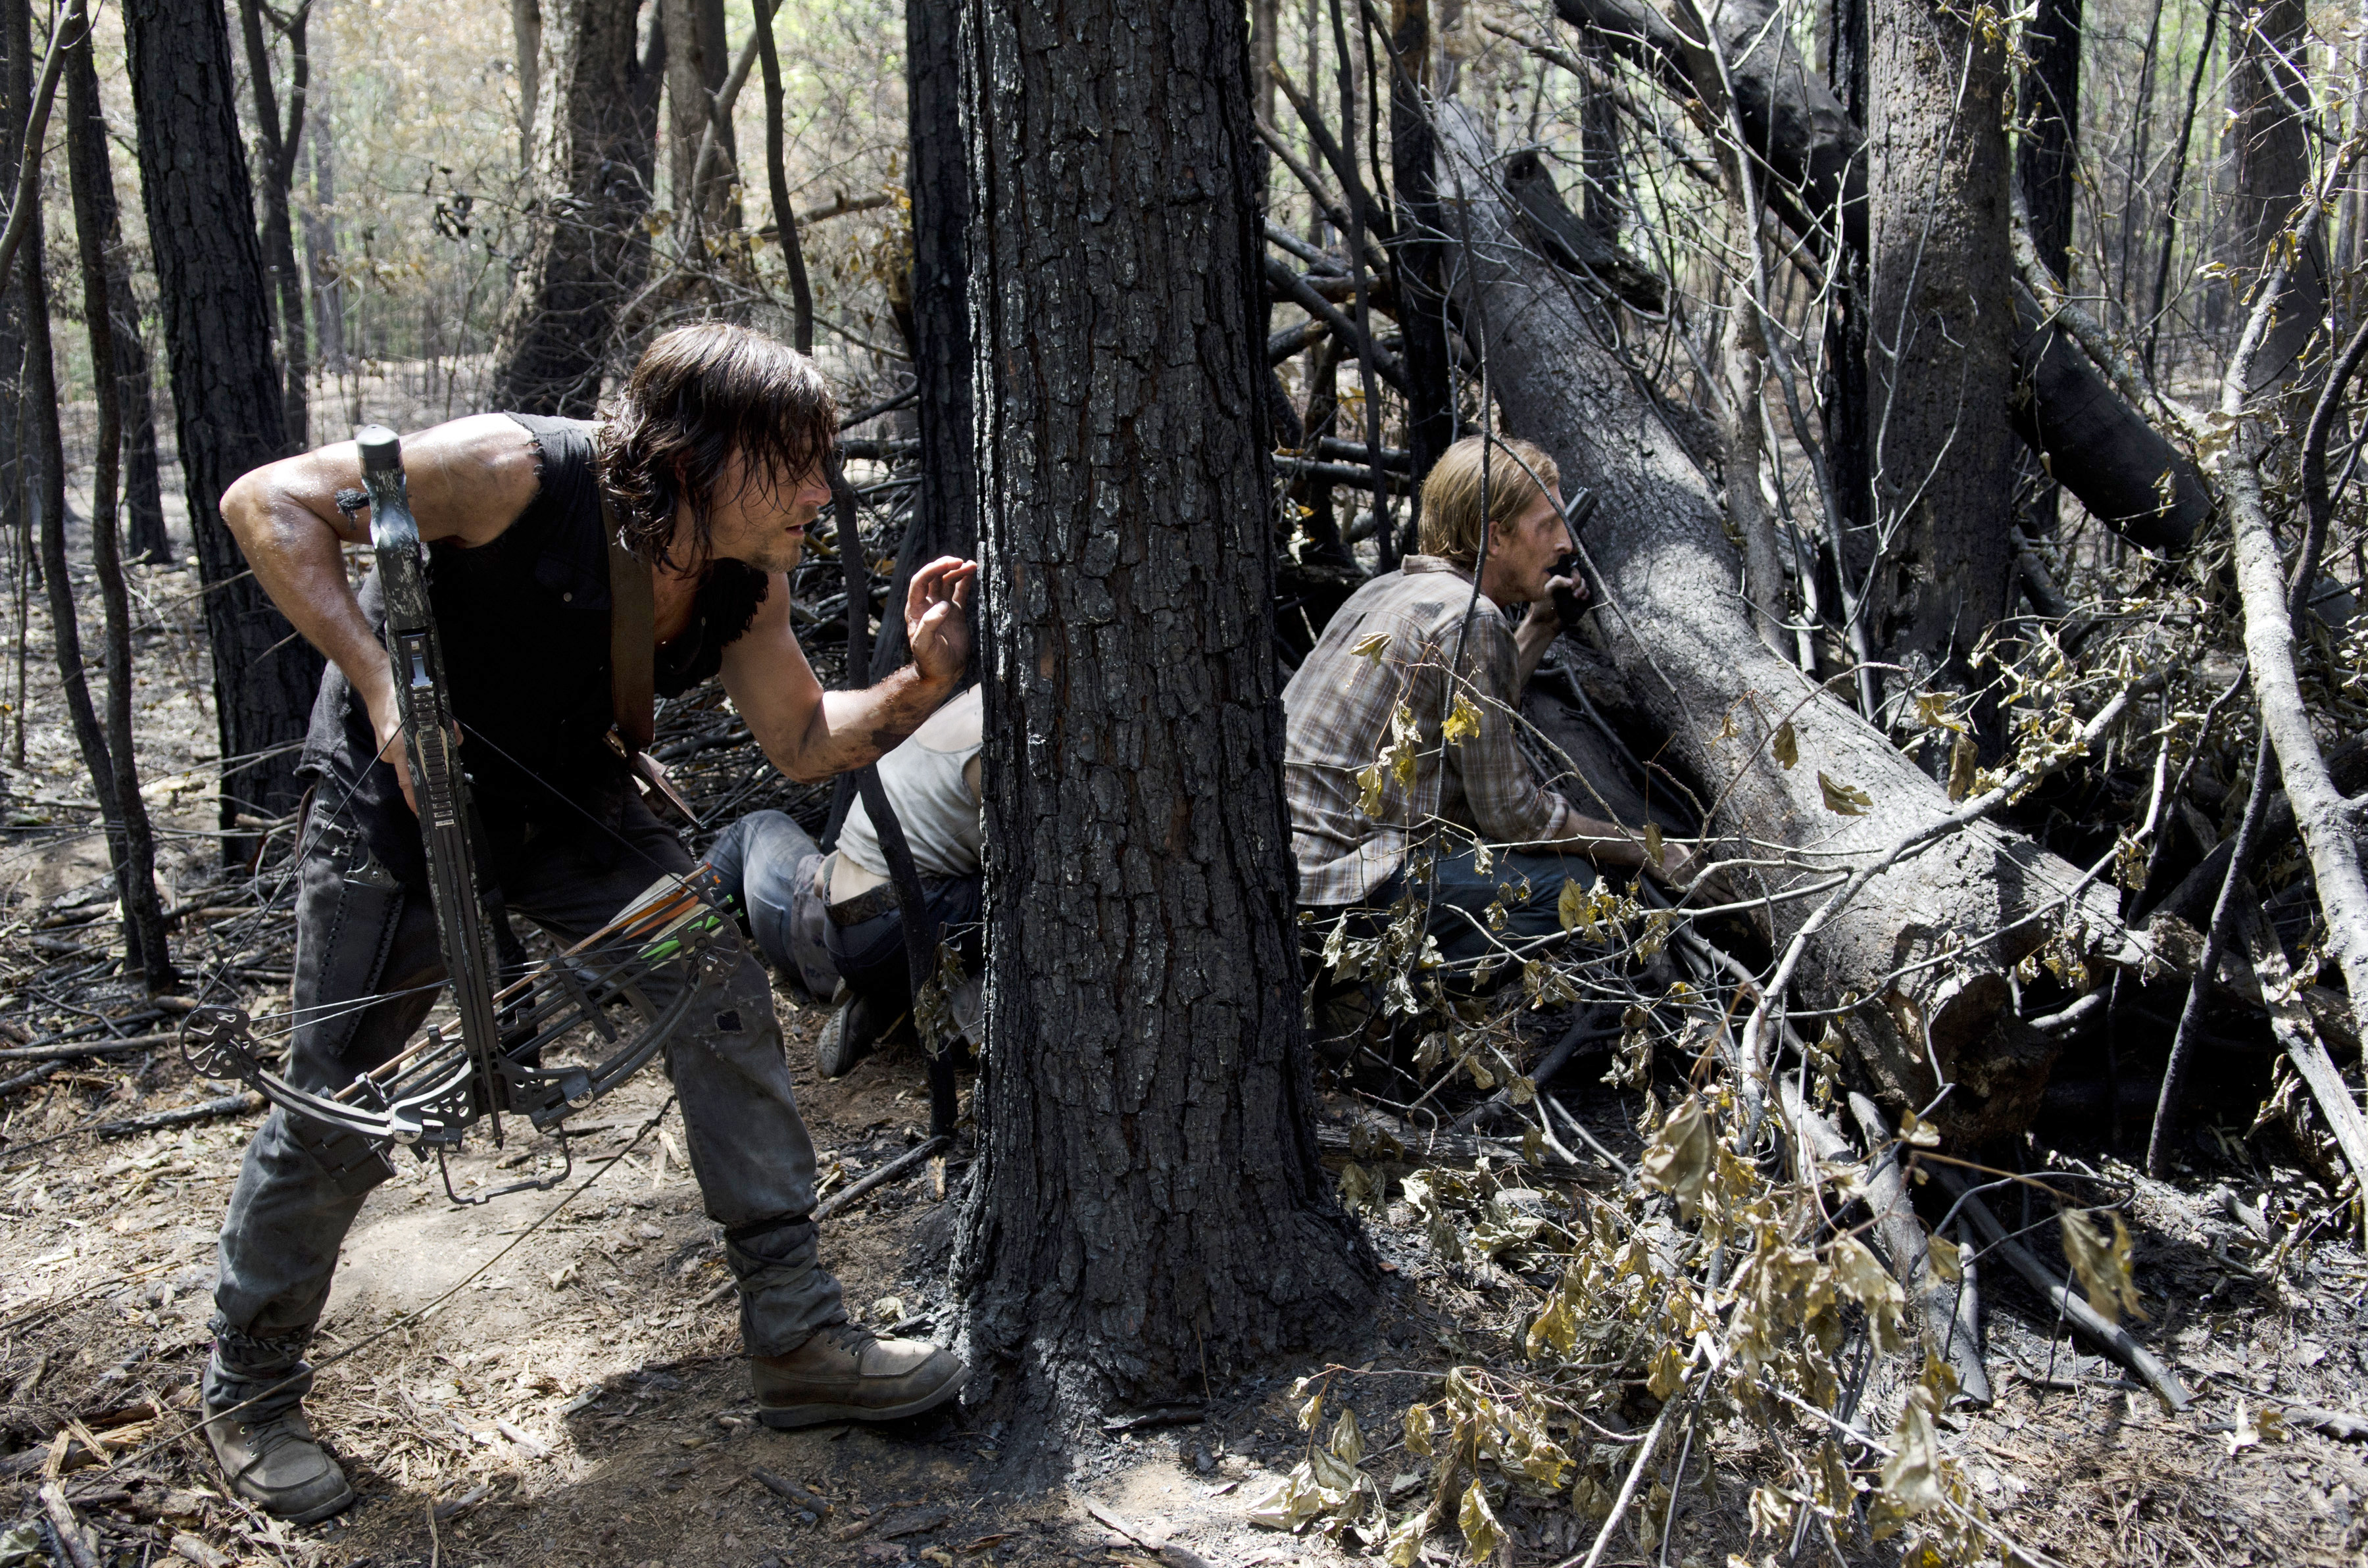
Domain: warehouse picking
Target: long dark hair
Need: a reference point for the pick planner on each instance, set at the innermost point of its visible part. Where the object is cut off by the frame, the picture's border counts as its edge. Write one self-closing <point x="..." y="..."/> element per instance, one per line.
<point x="700" y="394"/>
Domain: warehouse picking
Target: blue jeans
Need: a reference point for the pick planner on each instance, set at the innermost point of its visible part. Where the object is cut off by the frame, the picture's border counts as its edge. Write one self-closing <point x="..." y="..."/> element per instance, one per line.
<point x="759" y="859"/>
<point x="1529" y="884"/>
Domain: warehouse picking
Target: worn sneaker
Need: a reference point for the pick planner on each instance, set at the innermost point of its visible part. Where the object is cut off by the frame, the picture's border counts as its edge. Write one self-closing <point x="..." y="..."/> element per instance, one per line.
<point x="845" y="1374"/>
<point x="274" y="1463"/>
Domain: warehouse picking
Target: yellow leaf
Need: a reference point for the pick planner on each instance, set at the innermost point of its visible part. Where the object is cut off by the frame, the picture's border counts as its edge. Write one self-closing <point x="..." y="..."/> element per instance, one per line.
<point x="1347" y="1441"/>
<point x="1771" y="1511"/>
<point x="1915" y="1134"/>
<point x="1843" y="800"/>
<point x="1964" y="769"/>
<point x="1463" y="722"/>
<point x="1653" y="844"/>
<point x="1861" y="1276"/>
<point x="1787" y="744"/>
<point x="1668" y="1373"/>
<point x="1405" y="1545"/>
<point x="1371" y="646"/>
<point x="1911" y="1476"/>
<point x="1370" y="783"/>
<point x="1418" y="1430"/>
<point x="1946" y="1259"/>
<point x="1572" y="906"/>
<point x="2101" y="1266"/>
<point x="1680" y="1161"/>
<point x="1481" y="1531"/>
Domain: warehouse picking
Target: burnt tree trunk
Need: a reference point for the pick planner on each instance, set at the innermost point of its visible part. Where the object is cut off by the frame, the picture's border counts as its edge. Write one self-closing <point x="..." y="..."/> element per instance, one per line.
<point x="595" y="155"/>
<point x="17" y="473"/>
<point x="945" y="507"/>
<point x="108" y="752"/>
<point x="2269" y="135"/>
<point x="226" y="391"/>
<point x="1941" y="356"/>
<point x="143" y="501"/>
<point x="2047" y="166"/>
<point x="1147" y="1210"/>
<point x="1691" y="658"/>
<point x="280" y="140"/>
<point x="1422" y="308"/>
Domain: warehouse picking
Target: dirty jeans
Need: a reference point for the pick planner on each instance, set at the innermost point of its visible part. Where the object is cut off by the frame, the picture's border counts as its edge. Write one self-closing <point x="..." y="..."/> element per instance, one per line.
<point x="360" y="934"/>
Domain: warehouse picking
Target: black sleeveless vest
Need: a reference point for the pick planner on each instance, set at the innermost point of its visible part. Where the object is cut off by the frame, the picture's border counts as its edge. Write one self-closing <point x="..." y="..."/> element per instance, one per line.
<point x="524" y="623"/>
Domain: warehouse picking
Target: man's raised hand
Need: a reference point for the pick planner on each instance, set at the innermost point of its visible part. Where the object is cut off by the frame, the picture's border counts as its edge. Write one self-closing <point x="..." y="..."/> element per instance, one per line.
<point x="936" y="627"/>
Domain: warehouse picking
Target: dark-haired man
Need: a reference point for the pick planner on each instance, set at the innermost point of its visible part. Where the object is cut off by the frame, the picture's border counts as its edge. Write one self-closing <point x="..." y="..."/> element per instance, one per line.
<point x="709" y="470"/>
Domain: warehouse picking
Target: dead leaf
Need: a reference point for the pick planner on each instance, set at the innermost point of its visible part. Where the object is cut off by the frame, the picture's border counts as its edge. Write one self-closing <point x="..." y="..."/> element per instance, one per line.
<point x="1843" y="800"/>
<point x="1679" y="1163"/>
<point x="1786" y="746"/>
<point x="2101" y="1266"/>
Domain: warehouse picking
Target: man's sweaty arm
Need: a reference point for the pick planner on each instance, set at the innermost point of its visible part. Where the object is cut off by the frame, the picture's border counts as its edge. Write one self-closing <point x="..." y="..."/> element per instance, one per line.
<point x="812" y="734"/>
<point x="468" y="479"/>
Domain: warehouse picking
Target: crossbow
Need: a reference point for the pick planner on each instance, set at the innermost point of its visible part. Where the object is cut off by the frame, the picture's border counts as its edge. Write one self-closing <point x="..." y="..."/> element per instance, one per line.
<point x="500" y="1053"/>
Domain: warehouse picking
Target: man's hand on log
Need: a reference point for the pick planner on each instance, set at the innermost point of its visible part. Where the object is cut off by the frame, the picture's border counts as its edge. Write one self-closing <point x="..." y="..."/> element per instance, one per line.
<point x="936" y="627"/>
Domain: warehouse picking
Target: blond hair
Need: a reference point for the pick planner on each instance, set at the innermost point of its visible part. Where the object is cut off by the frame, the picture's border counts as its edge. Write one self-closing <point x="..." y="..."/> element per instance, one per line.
<point x="1518" y="473"/>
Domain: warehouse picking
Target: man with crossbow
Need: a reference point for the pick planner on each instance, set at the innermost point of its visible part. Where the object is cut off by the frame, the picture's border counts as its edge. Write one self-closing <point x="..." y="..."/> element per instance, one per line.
<point x="560" y="554"/>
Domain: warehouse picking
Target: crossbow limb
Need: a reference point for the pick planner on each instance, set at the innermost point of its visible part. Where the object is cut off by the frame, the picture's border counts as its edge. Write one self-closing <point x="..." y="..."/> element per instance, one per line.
<point x="490" y="1059"/>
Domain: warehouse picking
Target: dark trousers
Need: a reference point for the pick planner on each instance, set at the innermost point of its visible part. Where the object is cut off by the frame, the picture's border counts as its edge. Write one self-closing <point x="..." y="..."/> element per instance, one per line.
<point x="1527" y="883"/>
<point x="368" y="968"/>
<point x="871" y="954"/>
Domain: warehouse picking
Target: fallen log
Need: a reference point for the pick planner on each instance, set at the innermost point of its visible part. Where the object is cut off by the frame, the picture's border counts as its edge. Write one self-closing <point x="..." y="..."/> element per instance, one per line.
<point x="1927" y="949"/>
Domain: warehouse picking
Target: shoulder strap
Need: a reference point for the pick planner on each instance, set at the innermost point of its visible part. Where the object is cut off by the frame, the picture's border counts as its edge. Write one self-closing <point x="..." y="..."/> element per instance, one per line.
<point x="633" y="637"/>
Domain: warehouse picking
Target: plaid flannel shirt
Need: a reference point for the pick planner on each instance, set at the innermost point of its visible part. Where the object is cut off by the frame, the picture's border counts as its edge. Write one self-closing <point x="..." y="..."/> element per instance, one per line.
<point x="1343" y="710"/>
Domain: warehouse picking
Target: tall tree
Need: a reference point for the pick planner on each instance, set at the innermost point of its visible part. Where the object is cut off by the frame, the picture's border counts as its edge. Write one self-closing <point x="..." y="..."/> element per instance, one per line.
<point x="2047" y="165"/>
<point x="1941" y="357"/>
<point x="16" y="477"/>
<point x="697" y="59"/>
<point x="144" y="500"/>
<point x="595" y="151"/>
<point x="1422" y="304"/>
<point x="2047" y="156"/>
<point x="945" y="507"/>
<point x="2269" y="135"/>
<point x="1147" y="1209"/>
<point x="226" y="392"/>
<point x="318" y="215"/>
<point x="279" y="141"/>
<point x="105" y="734"/>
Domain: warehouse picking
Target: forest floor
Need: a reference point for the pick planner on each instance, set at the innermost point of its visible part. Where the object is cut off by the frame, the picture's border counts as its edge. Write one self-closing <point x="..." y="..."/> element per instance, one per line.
<point x="577" y="1397"/>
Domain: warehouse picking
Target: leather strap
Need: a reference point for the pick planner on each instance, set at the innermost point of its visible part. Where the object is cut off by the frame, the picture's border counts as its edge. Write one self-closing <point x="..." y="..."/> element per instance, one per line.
<point x="632" y="638"/>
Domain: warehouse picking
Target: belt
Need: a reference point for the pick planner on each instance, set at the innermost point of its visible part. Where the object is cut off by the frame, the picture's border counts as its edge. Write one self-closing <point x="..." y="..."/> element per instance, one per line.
<point x="869" y="905"/>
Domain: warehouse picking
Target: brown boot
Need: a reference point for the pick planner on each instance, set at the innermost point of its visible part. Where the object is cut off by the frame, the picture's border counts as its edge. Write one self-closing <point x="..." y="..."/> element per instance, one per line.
<point x="274" y="1463"/>
<point x="845" y="1374"/>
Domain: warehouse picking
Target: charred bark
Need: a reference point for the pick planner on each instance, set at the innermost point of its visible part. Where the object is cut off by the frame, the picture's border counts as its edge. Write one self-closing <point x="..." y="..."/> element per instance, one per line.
<point x="1692" y="660"/>
<point x="143" y="501"/>
<point x="1147" y="1210"/>
<point x="1940" y="358"/>
<point x="945" y="506"/>
<point x="280" y="142"/>
<point x="1421" y="309"/>
<point x="109" y="753"/>
<point x="226" y="391"/>
<point x="596" y="154"/>
<point x="2270" y="133"/>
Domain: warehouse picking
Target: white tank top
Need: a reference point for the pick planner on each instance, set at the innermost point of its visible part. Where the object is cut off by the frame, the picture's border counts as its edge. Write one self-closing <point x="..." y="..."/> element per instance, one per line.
<point x="923" y="780"/>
